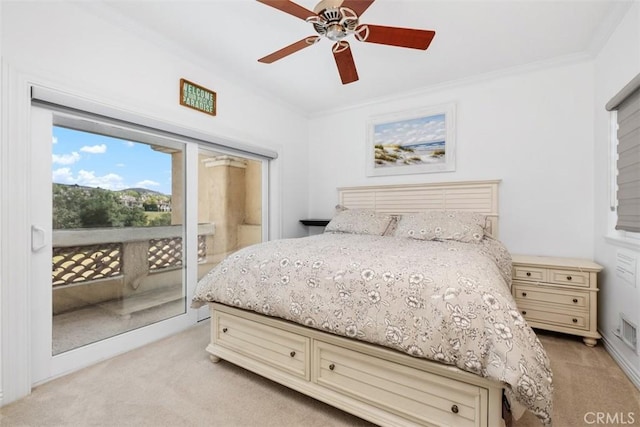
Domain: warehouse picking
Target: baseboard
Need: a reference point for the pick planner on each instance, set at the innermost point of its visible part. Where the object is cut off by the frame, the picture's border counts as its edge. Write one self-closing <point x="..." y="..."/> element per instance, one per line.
<point x="627" y="368"/>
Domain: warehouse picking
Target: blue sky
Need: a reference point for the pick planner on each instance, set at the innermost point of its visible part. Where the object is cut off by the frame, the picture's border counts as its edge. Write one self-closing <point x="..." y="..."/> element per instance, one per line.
<point x="100" y="161"/>
<point x="412" y="131"/>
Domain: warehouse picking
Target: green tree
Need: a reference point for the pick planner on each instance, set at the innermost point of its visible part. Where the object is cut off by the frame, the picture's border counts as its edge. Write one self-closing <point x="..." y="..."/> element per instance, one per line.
<point x="78" y="207"/>
<point x="65" y="206"/>
<point x="134" y="217"/>
<point x="150" y="207"/>
<point x="100" y="209"/>
<point x="162" y="219"/>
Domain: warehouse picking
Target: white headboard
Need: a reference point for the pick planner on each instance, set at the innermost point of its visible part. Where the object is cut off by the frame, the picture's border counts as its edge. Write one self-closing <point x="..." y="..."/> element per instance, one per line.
<point x="476" y="196"/>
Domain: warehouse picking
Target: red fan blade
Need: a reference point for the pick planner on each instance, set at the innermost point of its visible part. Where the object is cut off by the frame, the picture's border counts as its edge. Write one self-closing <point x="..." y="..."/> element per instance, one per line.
<point x="344" y="61"/>
<point x="292" y="48"/>
<point x="395" y="36"/>
<point x="289" y="7"/>
<point x="358" y="6"/>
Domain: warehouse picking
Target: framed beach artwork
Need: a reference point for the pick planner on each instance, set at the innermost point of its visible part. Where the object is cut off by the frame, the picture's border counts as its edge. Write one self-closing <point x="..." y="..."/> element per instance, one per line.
<point x="417" y="141"/>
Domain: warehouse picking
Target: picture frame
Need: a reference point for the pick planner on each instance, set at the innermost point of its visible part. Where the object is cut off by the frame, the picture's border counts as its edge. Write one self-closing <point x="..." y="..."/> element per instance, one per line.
<point x="198" y="97"/>
<point x="411" y="142"/>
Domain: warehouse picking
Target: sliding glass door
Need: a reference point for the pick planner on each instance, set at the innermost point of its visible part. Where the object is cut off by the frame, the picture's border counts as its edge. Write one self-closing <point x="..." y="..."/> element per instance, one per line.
<point x="230" y="199"/>
<point x="117" y="261"/>
<point x="124" y="223"/>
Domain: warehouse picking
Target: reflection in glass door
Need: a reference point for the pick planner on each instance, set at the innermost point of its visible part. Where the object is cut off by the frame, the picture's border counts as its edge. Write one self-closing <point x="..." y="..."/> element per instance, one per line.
<point x="118" y="234"/>
<point x="230" y="191"/>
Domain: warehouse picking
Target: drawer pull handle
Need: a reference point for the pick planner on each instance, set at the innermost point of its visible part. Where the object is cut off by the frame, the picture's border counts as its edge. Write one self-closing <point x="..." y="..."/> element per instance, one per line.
<point x="575" y="300"/>
<point x="224" y="330"/>
<point x="332" y="367"/>
<point x="524" y="294"/>
<point x="574" y="320"/>
<point x="528" y="274"/>
<point x="292" y="354"/>
<point x="455" y="409"/>
<point x="524" y="312"/>
<point x="569" y="277"/>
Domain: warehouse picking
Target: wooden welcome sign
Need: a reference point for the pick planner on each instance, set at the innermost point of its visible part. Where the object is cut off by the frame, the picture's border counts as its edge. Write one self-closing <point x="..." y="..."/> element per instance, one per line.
<point x="197" y="97"/>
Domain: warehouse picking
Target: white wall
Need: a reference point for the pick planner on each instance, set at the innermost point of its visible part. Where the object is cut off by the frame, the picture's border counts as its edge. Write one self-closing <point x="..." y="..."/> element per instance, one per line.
<point x="68" y="47"/>
<point x="616" y="64"/>
<point x="531" y="129"/>
<point x="81" y="53"/>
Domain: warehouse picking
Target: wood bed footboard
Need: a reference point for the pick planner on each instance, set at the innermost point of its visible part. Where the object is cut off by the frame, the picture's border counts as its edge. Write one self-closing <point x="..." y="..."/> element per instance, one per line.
<point x="380" y="385"/>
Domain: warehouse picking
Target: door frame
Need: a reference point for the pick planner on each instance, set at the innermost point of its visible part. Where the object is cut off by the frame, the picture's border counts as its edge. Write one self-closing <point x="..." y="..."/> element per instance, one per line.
<point x="44" y="365"/>
<point x="15" y="227"/>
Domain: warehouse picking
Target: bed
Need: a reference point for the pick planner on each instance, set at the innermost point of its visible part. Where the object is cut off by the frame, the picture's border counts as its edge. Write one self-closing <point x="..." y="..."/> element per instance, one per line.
<point x="400" y="313"/>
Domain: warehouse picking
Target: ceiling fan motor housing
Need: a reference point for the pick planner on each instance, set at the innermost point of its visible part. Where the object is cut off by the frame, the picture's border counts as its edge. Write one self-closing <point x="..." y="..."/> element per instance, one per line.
<point x="333" y="21"/>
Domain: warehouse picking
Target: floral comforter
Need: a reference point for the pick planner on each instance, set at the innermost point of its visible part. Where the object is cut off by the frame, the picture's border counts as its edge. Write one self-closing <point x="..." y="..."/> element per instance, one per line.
<point x="446" y="301"/>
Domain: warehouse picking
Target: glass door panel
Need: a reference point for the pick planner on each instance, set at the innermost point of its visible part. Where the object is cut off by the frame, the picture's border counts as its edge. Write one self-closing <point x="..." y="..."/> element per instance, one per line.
<point x="118" y="235"/>
<point x="229" y="205"/>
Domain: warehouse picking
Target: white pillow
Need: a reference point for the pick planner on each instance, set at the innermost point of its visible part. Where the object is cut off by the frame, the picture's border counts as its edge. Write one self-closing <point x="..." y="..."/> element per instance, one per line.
<point x="462" y="226"/>
<point x="358" y="221"/>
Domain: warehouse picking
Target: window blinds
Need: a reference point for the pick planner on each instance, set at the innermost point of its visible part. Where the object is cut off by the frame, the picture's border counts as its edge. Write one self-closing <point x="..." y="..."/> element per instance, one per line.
<point x="65" y="102"/>
<point x="627" y="103"/>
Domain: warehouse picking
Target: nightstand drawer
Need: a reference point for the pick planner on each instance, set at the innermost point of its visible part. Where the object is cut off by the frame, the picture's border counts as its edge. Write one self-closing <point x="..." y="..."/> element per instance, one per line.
<point x="571" y="299"/>
<point x="569" y="278"/>
<point x="529" y="273"/>
<point x="539" y="317"/>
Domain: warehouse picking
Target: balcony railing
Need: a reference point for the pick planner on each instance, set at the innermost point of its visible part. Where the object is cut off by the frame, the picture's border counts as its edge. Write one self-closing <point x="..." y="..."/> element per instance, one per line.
<point x="88" y="255"/>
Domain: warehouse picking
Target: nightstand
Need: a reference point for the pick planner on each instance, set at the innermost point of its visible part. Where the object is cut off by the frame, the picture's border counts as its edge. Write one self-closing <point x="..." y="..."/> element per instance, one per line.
<point x="558" y="294"/>
<point x="315" y="222"/>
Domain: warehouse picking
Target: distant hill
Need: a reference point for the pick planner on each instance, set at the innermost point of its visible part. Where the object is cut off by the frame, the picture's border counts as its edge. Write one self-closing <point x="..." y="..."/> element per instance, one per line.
<point x="142" y="191"/>
<point x="145" y="192"/>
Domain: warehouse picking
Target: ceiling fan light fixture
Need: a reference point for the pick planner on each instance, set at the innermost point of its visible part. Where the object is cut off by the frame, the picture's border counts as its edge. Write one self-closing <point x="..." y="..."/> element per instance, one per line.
<point x="335" y="32"/>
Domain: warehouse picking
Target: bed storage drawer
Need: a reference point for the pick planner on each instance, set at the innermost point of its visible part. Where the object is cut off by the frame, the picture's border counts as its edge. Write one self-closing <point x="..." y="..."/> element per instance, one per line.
<point x="284" y="350"/>
<point x="387" y="385"/>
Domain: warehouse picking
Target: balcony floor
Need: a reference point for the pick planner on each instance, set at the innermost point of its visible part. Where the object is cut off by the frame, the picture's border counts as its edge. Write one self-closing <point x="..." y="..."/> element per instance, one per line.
<point x="93" y="323"/>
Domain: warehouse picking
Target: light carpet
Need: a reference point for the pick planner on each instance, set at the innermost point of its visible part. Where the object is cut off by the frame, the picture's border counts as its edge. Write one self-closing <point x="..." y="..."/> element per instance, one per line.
<point x="173" y="383"/>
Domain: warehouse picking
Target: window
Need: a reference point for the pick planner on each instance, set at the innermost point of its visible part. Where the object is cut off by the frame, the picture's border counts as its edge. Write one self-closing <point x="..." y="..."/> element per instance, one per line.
<point x="626" y="113"/>
<point x="137" y="210"/>
<point x="117" y="261"/>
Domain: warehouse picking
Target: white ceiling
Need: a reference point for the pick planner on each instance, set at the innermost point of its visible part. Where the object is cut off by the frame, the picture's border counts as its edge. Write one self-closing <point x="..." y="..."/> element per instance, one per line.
<point x="473" y="38"/>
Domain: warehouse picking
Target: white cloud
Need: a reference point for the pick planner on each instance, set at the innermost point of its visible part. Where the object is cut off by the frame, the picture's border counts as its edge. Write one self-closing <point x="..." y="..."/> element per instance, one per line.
<point x="411" y="132"/>
<point x="54" y="139"/>
<point x="110" y="181"/>
<point x="65" y="159"/>
<point x="147" y="183"/>
<point x="63" y="176"/>
<point x="120" y="165"/>
<point x="94" y="149"/>
<point x="129" y="143"/>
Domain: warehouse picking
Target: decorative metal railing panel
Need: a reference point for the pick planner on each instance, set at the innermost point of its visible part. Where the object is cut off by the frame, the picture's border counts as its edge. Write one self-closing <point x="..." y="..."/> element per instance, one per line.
<point x="84" y="263"/>
<point x="166" y="253"/>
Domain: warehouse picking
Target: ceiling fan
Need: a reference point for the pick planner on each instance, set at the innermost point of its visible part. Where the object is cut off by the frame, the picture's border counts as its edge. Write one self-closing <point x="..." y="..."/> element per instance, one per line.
<point x="335" y="20"/>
